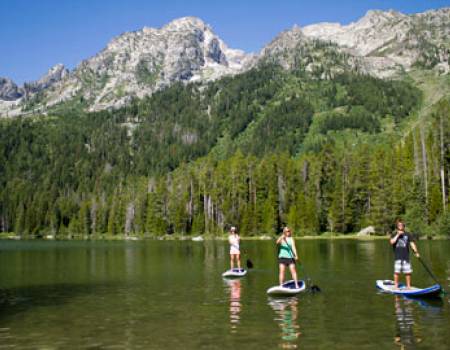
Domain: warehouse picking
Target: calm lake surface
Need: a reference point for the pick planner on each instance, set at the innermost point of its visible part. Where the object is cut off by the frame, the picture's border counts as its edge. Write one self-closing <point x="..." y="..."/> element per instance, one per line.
<point x="170" y="295"/>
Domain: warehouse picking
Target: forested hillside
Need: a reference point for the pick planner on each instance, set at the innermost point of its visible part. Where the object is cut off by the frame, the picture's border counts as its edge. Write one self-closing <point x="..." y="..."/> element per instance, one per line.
<point x="259" y="150"/>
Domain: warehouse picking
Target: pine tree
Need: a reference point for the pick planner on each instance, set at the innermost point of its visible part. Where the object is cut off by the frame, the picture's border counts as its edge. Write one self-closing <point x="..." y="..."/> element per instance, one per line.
<point x="155" y="223"/>
<point x="84" y="219"/>
<point x="19" y="226"/>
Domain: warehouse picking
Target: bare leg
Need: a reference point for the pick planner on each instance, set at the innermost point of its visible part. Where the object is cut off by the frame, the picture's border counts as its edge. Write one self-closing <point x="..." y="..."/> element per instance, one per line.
<point x="408" y="280"/>
<point x="294" y="274"/>
<point x="396" y="280"/>
<point x="231" y="261"/>
<point x="238" y="258"/>
<point x="281" y="274"/>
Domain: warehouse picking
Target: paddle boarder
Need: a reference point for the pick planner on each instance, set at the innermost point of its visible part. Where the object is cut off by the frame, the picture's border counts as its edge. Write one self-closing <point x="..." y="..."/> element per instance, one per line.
<point x="401" y="241"/>
<point x="235" y="253"/>
<point x="287" y="255"/>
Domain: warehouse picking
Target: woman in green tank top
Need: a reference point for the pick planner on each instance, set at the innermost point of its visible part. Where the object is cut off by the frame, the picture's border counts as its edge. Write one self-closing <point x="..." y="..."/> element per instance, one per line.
<point x="287" y="255"/>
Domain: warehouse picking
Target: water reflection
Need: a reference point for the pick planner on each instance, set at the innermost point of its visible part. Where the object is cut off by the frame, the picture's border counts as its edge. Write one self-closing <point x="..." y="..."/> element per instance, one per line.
<point x="235" y="302"/>
<point x="286" y="310"/>
<point x="406" y="335"/>
<point x="127" y="295"/>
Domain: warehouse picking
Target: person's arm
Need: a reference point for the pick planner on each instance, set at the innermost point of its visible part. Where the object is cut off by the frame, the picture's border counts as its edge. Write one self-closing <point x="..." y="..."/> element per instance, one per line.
<point x="394" y="239"/>
<point x="414" y="248"/>
<point x="280" y="239"/>
<point x="229" y="240"/>
<point x="294" y="249"/>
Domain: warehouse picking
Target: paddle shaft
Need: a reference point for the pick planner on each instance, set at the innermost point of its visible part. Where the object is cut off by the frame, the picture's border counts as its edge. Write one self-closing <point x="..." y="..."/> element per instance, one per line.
<point x="290" y="251"/>
<point x="429" y="271"/>
<point x="293" y="259"/>
<point x="249" y="263"/>
<point x="314" y="288"/>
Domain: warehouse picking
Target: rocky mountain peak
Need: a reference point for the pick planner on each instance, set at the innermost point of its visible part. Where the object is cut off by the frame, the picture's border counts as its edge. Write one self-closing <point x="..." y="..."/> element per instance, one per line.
<point x="57" y="69"/>
<point x="377" y="16"/>
<point x="8" y="90"/>
<point x="186" y="23"/>
<point x="54" y="75"/>
<point x="286" y="40"/>
<point x="392" y="41"/>
<point x="141" y="62"/>
<point x="443" y="11"/>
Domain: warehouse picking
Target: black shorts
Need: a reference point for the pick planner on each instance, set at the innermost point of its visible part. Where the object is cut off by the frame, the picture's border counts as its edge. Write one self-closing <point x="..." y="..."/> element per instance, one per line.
<point x="286" y="261"/>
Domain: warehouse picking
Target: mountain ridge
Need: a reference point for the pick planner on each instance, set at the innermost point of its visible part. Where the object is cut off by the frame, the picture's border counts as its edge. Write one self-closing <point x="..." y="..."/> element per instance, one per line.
<point x="138" y="63"/>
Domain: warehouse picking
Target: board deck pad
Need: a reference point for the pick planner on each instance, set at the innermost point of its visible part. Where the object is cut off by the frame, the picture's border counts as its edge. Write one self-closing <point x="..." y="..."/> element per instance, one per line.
<point x="388" y="286"/>
<point x="288" y="288"/>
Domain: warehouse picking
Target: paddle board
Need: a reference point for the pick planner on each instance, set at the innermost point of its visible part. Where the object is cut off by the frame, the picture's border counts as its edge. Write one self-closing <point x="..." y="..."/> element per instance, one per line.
<point x="288" y="288"/>
<point x="234" y="273"/>
<point x="388" y="286"/>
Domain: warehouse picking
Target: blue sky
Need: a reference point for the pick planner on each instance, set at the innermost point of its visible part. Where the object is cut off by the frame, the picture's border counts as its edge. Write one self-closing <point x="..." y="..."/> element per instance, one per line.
<point x="36" y="34"/>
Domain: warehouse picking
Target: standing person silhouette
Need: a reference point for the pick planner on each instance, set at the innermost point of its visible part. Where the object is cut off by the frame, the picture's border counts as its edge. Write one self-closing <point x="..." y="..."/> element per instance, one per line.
<point x="235" y="253"/>
<point x="287" y="255"/>
<point x="401" y="241"/>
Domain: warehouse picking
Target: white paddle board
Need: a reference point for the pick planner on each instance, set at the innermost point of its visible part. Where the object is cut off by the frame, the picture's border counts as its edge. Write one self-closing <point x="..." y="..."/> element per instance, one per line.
<point x="234" y="273"/>
<point x="388" y="286"/>
<point x="287" y="288"/>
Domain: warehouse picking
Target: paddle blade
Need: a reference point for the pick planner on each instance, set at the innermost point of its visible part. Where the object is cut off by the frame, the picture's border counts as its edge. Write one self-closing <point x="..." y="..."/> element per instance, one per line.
<point x="315" y="289"/>
<point x="249" y="264"/>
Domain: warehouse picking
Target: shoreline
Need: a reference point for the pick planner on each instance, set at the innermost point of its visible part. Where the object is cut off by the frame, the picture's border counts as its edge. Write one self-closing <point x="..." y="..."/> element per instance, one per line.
<point x="201" y="238"/>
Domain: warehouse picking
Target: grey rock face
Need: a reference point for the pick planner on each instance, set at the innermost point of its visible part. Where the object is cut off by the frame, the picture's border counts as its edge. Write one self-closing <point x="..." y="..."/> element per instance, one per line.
<point x="389" y="41"/>
<point x="292" y="49"/>
<point x="9" y="90"/>
<point x="54" y="75"/>
<point x="215" y="53"/>
<point x="139" y="63"/>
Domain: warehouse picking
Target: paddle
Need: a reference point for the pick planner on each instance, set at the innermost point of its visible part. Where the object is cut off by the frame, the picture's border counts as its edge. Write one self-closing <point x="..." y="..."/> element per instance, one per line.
<point x="249" y="264"/>
<point x="430" y="273"/>
<point x="314" y="288"/>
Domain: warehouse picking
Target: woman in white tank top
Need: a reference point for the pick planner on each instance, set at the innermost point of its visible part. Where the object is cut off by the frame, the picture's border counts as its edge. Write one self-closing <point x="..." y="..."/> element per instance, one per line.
<point x="235" y="253"/>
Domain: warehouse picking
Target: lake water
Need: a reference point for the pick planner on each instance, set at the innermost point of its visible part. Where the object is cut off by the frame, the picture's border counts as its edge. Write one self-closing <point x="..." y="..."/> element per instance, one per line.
<point x="170" y="295"/>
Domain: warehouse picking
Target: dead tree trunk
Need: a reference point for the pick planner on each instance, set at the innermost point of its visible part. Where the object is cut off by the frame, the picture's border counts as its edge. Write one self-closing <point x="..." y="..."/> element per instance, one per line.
<point x="442" y="169"/>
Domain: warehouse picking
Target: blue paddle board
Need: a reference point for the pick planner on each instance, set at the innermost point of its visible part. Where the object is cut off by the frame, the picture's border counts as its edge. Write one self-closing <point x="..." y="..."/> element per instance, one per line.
<point x="388" y="286"/>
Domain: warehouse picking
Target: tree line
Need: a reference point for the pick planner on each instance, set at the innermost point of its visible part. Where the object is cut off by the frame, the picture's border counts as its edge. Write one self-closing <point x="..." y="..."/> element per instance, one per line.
<point x="259" y="150"/>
